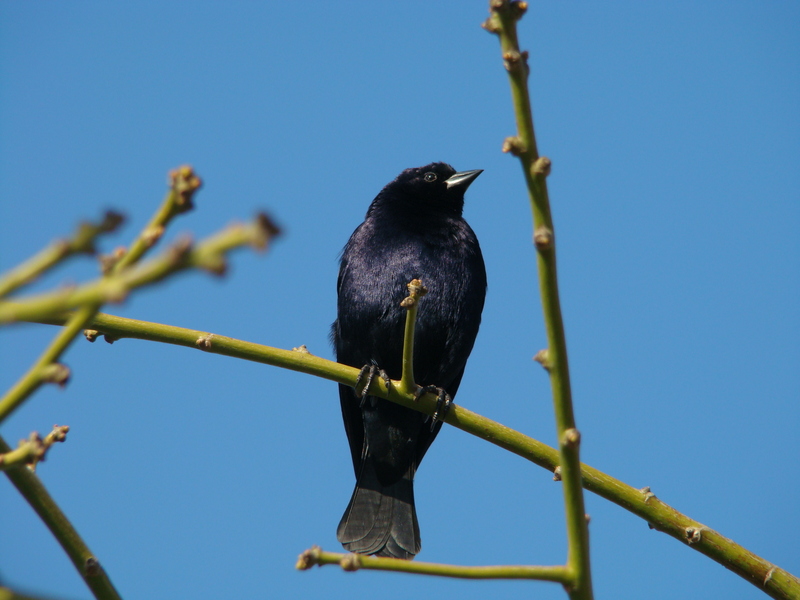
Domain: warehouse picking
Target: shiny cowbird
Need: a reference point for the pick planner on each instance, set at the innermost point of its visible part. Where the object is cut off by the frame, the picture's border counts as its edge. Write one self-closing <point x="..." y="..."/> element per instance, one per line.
<point x="413" y="230"/>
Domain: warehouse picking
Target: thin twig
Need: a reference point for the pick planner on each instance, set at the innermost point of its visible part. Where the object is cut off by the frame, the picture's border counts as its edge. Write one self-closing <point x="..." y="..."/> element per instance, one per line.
<point x="89" y="568"/>
<point x="353" y="562"/>
<point x="208" y="255"/>
<point x="82" y="241"/>
<point x="33" y="450"/>
<point x="411" y="303"/>
<point x="503" y="22"/>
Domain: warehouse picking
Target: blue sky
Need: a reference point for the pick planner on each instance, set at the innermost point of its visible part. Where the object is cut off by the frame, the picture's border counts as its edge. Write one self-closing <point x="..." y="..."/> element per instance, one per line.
<point x="674" y="134"/>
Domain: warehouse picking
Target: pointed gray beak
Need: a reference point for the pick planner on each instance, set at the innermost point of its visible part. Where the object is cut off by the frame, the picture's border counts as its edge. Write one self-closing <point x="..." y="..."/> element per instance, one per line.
<point x="463" y="179"/>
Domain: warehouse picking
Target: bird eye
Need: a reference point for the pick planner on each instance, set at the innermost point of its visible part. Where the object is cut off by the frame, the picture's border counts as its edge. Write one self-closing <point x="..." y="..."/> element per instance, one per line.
<point x="429" y="177"/>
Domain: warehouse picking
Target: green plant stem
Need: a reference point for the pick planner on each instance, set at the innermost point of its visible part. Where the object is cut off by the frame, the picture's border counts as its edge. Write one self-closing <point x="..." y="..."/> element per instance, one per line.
<point x="353" y="562"/>
<point x="43" y="369"/>
<point x="416" y="291"/>
<point x="89" y="568"/>
<point x="503" y="22"/>
<point x="208" y="255"/>
<point x="22" y="455"/>
<point x="178" y="199"/>
<point x="773" y="580"/>
<point x="183" y="184"/>
<point x="82" y="241"/>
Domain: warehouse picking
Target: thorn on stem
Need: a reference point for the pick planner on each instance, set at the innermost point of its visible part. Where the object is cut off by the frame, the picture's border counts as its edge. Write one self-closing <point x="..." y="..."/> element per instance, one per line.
<point x="301" y="349"/>
<point x="91" y="334"/>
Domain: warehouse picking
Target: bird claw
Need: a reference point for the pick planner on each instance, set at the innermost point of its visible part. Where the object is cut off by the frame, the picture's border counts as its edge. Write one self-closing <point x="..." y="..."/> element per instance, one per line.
<point x="369" y="371"/>
<point x="443" y="402"/>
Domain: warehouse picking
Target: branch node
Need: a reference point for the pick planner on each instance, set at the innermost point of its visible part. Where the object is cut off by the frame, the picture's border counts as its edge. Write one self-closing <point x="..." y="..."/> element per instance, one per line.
<point x="308" y="558"/>
<point x="90" y="334"/>
<point x="518" y="9"/>
<point x="151" y="235"/>
<point x="117" y="291"/>
<point x="768" y="576"/>
<point x="107" y="261"/>
<point x="543" y="358"/>
<point x="415" y="291"/>
<point x="180" y="250"/>
<point x="543" y="238"/>
<point x="492" y="24"/>
<point x="647" y="494"/>
<point x="514" y="145"/>
<point x="266" y="229"/>
<point x="693" y="534"/>
<point x="185" y="182"/>
<point x="91" y="568"/>
<point x="571" y="438"/>
<point x="204" y="341"/>
<point x="350" y="562"/>
<point x="56" y="373"/>
<point x="302" y="349"/>
<point x="513" y="58"/>
<point x="557" y="473"/>
<point x="541" y="166"/>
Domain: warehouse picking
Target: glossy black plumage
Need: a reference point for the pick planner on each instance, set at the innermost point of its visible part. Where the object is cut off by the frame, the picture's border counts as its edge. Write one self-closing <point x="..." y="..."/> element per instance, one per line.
<point x="413" y="230"/>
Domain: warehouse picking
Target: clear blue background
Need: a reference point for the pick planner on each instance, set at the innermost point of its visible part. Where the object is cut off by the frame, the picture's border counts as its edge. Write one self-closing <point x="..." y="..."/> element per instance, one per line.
<point x="675" y="139"/>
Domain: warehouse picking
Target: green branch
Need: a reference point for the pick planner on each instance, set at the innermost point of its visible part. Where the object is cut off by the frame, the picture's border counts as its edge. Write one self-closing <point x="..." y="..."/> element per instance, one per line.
<point x="411" y="303"/>
<point x="46" y="369"/>
<point x="208" y="255"/>
<point x="183" y="184"/>
<point x="33" y="450"/>
<point x="120" y="276"/>
<point x="503" y="22"/>
<point x="81" y="242"/>
<point x="773" y="580"/>
<point x="353" y="562"/>
<point x="89" y="568"/>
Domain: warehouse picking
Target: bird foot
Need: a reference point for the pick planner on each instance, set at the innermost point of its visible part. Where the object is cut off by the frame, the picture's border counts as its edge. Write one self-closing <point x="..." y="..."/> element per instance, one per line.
<point x="366" y="375"/>
<point x="443" y="402"/>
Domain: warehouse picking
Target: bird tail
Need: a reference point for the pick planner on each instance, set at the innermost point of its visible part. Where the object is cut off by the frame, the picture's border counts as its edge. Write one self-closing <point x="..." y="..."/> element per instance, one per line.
<point x="381" y="519"/>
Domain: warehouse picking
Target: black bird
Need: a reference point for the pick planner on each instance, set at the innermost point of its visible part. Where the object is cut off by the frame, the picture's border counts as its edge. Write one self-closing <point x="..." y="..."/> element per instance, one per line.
<point x="413" y="230"/>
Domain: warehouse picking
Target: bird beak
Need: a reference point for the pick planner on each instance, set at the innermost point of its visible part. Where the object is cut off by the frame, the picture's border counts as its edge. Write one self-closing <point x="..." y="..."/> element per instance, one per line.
<point x="463" y="179"/>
